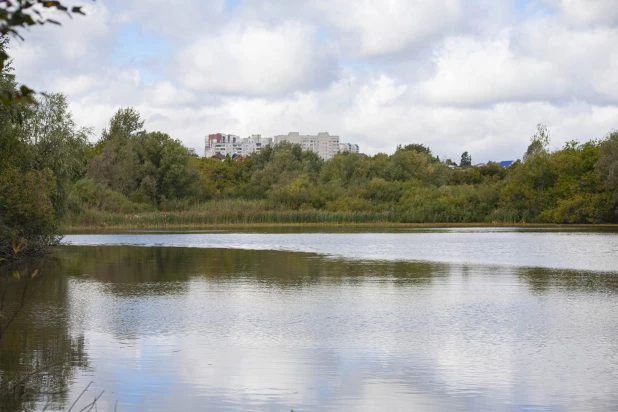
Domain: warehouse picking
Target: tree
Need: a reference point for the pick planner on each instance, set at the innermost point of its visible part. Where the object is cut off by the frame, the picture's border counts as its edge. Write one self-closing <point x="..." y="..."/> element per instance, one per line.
<point x="126" y="122"/>
<point x="466" y="159"/>
<point x="16" y="15"/>
<point x="144" y="166"/>
<point x="539" y="143"/>
<point x="416" y="147"/>
<point x="57" y="144"/>
<point x="12" y="136"/>
<point x="42" y="154"/>
<point x="608" y="162"/>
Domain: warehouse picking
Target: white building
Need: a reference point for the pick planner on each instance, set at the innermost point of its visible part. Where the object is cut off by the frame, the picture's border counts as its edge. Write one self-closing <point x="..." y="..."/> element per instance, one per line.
<point x="254" y="144"/>
<point x="230" y="145"/>
<point x="348" y="147"/>
<point x="325" y="145"/>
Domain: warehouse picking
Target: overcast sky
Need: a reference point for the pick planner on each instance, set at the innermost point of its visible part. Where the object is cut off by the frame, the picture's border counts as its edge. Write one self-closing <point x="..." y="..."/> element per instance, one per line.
<point x="452" y="74"/>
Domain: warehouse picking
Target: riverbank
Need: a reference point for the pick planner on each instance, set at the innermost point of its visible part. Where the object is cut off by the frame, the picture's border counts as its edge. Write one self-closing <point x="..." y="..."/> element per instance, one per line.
<point x="290" y="219"/>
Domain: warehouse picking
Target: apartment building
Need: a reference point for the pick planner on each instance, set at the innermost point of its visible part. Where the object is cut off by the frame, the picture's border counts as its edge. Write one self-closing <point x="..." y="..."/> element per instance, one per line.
<point x="325" y="145"/>
<point x="231" y="145"/>
<point x="348" y="147"/>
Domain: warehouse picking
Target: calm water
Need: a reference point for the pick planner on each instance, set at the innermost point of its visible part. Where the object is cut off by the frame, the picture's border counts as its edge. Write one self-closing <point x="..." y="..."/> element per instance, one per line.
<point x="459" y="319"/>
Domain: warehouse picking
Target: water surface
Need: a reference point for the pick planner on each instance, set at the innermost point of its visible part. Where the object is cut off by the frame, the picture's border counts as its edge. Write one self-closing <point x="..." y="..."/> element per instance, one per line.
<point x="431" y="320"/>
<point x="567" y="249"/>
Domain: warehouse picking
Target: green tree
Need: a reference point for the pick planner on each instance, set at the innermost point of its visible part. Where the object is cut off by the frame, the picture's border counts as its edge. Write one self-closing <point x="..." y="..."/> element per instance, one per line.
<point x="145" y="166"/>
<point x="41" y="153"/>
<point x="416" y="147"/>
<point x="57" y="144"/>
<point x="466" y="160"/>
<point x="281" y="165"/>
<point x="27" y="220"/>
<point x="539" y="143"/>
<point x="608" y="162"/>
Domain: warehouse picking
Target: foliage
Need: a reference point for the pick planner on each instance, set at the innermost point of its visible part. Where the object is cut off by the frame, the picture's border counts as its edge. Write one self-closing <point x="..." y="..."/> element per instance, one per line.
<point x="56" y="144"/>
<point x="608" y="162"/>
<point x="416" y="147"/>
<point x="137" y="178"/>
<point x="221" y="179"/>
<point x="570" y="185"/>
<point x="41" y="153"/>
<point x="147" y="167"/>
<point x="539" y="143"/>
<point x="26" y="210"/>
<point x="86" y="194"/>
<point x="466" y="159"/>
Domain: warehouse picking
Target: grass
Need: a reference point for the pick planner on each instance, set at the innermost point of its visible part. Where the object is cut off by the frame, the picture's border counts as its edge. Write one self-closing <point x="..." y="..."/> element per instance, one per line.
<point x="223" y="212"/>
<point x="157" y="220"/>
<point x="251" y="213"/>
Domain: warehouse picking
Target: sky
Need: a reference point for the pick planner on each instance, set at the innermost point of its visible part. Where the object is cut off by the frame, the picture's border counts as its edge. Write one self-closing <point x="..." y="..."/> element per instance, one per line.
<point x="455" y="75"/>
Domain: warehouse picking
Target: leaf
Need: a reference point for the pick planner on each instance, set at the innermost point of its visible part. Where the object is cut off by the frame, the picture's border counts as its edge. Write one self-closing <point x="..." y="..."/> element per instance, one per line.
<point x="34" y="274"/>
<point x="17" y="247"/>
<point x="16" y="275"/>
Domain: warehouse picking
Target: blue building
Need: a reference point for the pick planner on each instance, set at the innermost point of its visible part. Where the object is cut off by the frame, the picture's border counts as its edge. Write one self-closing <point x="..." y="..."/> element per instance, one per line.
<point x="506" y="163"/>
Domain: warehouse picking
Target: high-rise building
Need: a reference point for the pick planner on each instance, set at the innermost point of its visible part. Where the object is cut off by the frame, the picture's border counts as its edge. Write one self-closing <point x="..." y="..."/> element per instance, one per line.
<point x="325" y="145"/>
<point x="348" y="147"/>
<point x="230" y="145"/>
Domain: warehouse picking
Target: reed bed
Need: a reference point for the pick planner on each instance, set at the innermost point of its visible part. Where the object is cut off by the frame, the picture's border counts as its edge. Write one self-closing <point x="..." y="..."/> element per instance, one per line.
<point x="224" y="213"/>
<point x="236" y="212"/>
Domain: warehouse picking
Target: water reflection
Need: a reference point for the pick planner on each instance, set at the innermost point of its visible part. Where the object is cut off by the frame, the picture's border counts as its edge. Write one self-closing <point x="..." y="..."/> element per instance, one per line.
<point x="575" y="249"/>
<point x="219" y="329"/>
<point x="173" y="267"/>
<point x="38" y="352"/>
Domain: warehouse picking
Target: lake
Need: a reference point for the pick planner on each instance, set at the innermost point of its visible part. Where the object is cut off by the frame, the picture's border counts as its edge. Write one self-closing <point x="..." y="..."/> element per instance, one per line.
<point x="429" y="320"/>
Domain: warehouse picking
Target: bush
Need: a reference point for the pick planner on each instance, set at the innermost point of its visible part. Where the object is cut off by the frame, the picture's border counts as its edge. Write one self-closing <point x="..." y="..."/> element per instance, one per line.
<point x="94" y="196"/>
<point x="26" y="210"/>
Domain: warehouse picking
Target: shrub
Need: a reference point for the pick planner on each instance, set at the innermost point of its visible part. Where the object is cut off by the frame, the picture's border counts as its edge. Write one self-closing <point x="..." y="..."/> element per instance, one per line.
<point x="99" y="197"/>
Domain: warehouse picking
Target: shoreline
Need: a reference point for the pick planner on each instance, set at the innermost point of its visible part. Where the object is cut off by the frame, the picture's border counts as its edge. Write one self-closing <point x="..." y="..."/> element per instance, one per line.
<point x="351" y="225"/>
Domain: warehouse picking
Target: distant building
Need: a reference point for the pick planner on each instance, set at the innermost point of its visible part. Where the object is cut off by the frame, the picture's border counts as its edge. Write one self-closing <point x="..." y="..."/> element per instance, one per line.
<point x="348" y="147"/>
<point x="232" y="145"/>
<point x="506" y="163"/>
<point x="325" y="145"/>
<point x="218" y="156"/>
<point x="191" y="151"/>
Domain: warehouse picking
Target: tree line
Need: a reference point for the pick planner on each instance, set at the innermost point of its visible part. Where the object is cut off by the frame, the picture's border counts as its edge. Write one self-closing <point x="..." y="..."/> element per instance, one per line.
<point x="130" y="170"/>
<point x="50" y="175"/>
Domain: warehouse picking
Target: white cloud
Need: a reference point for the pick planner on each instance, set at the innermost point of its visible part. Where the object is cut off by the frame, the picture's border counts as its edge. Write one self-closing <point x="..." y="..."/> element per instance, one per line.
<point x="473" y="71"/>
<point x="51" y="52"/>
<point x="379" y="113"/>
<point x="587" y="11"/>
<point x="540" y="60"/>
<point x="256" y="59"/>
<point x="388" y="26"/>
<point x="453" y="74"/>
